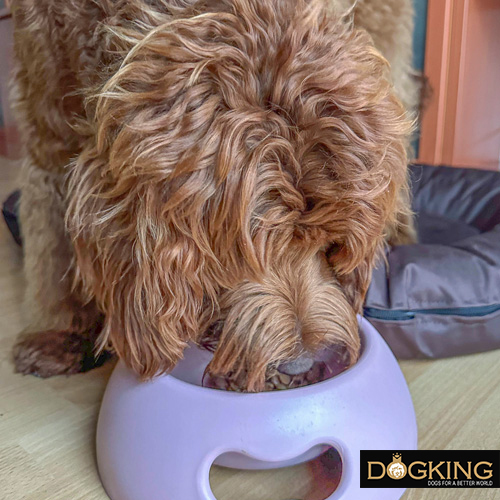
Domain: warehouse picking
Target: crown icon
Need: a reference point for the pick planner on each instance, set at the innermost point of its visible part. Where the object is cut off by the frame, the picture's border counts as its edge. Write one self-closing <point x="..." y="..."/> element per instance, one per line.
<point x="396" y="457"/>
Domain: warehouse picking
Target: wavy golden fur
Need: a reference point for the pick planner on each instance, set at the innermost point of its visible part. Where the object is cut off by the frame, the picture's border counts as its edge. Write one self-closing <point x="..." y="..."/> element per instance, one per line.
<point x="229" y="162"/>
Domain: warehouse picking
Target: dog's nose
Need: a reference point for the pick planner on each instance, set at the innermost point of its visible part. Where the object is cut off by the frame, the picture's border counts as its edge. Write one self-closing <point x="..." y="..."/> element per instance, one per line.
<point x="300" y="365"/>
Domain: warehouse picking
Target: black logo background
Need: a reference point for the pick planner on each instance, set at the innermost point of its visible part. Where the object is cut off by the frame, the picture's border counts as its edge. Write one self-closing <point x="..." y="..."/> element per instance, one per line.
<point x="435" y="456"/>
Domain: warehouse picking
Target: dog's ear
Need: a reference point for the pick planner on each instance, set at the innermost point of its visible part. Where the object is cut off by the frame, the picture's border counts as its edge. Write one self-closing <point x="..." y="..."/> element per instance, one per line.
<point x="143" y="273"/>
<point x="138" y="198"/>
<point x="353" y="158"/>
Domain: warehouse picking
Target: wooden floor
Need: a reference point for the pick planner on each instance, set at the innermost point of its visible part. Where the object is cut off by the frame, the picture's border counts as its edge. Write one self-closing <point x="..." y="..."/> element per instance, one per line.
<point x="47" y="426"/>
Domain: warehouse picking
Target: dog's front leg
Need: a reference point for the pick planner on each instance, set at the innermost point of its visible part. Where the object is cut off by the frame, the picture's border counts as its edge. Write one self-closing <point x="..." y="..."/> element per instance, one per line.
<point x="61" y="330"/>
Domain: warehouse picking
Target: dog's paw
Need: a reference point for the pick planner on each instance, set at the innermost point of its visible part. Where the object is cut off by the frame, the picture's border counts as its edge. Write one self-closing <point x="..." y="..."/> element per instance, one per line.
<point x="50" y="353"/>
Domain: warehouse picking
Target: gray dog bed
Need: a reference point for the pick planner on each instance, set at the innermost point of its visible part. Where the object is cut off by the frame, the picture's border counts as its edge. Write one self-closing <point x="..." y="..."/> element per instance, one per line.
<point x="441" y="297"/>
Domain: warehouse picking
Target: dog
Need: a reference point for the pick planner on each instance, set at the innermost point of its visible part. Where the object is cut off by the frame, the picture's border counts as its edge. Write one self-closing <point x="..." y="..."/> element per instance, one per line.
<point x="197" y="166"/>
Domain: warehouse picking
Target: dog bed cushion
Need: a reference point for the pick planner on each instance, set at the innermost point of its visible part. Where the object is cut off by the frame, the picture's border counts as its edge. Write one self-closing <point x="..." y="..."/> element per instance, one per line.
<point x="441" y="297"/>
<point x="10" y="212"/>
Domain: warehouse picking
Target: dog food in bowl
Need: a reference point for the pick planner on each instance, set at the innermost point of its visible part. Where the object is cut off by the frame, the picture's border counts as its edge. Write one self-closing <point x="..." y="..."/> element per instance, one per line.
<point x="325" y="367"/>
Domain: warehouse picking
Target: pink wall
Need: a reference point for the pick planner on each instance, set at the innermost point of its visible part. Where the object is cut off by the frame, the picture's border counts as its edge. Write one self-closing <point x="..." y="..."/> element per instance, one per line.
<point x="461" y="125"/>
<point x="477" y="128"/>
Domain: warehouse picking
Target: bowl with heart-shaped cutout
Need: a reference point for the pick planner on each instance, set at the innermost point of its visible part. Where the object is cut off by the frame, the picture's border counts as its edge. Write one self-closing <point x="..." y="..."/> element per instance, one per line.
<point x="157" y="440"/>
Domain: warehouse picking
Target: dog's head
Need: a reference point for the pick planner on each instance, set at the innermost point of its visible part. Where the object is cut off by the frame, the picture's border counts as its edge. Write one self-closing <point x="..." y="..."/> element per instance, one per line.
<point x="246" y="161"/>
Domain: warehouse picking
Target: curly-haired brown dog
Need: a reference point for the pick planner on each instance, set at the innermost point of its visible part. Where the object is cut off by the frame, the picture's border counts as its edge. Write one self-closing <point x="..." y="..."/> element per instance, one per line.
<point x="233" y="161"/>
